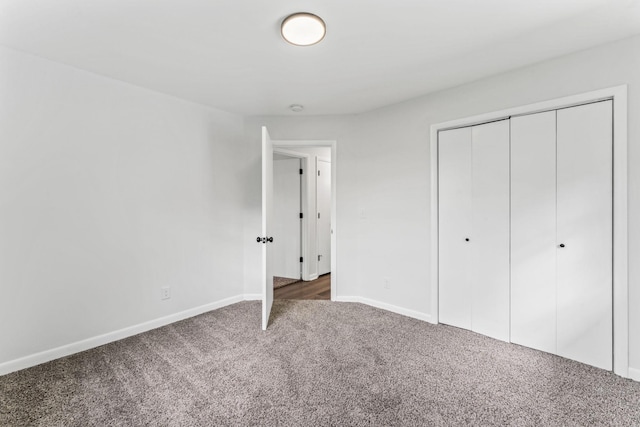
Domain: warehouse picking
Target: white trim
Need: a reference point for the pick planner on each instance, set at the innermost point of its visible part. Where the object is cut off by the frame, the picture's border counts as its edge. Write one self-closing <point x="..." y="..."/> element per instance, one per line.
<point x="318" y="160"/>
<point x="89" y="343"/>
<point x="334" y="180"/>
<point x="290" y="153"/>
<point x="388" y="307"/>
<point x="552" y="104"/>
<point x="435" y="259"/>
<point x="634" y="374"/>
<point x="620" y="234"/>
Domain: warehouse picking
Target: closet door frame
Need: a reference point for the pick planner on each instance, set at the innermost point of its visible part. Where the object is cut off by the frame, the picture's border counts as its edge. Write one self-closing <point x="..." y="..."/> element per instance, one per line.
<point x="618" y="95"/>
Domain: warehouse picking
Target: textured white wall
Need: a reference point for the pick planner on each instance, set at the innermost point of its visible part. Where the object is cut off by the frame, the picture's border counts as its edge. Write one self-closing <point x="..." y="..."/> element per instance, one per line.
<point x="383" y="170"/>
<point x="109" y="192"/>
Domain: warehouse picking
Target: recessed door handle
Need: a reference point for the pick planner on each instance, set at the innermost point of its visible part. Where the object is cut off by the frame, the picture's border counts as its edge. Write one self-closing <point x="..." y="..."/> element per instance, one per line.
<point x="562" y="245"/>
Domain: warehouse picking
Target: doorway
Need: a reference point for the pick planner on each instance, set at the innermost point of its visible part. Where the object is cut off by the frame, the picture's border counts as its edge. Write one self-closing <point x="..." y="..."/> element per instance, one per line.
<point x="301" y="261"/>
<point x="287" y="219"/>
<point x="266" y="238"/>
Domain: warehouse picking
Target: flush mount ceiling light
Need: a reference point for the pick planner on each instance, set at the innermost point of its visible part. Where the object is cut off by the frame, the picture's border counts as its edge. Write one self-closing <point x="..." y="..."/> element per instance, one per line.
<point x="303" y="29"/>
<point x="296" y="108"/>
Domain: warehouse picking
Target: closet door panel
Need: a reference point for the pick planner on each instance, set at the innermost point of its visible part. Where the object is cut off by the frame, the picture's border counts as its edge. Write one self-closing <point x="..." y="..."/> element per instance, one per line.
<point x="454" y="194"/>
<point x="489" y="240"/>
<point x="584" y="153"/>
<point x="533" y="231"/>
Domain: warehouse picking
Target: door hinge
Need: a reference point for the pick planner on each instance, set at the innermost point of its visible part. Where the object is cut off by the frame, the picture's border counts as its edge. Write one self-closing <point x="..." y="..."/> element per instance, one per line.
<point x="318" y="173"/>
<point x="318" y="215"/>
<point x="301" y="259"/>
<point x="319" y="256"/>
<point x="301" y="215"/>
<point x="301" y="172"/>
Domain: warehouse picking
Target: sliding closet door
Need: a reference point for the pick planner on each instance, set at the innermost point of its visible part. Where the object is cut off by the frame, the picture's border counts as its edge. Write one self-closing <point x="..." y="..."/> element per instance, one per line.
<point x="454" y="193"/>
<point x="584" y="291"/>
<point x="489" y="240"/>
<point x="533" y="231"/>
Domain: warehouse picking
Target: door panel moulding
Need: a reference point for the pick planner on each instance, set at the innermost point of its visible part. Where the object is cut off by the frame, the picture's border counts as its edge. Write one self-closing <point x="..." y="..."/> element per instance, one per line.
<point x="289" y="146"/>
<point x="618" y="95"/>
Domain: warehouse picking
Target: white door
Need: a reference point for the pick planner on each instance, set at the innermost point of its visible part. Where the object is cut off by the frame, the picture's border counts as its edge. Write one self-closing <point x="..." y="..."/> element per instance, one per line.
<point x="454" y="201"/>
<point x="584" y="242"/>
<point x="324" y="216"/>
<point x="489" y="239"/>
<point x="267" y="238"/>
<point x="286" y="217"/>
<point x="474" y="228"/>
<point x="533" y="231"/>
<point x="561" y="228"/>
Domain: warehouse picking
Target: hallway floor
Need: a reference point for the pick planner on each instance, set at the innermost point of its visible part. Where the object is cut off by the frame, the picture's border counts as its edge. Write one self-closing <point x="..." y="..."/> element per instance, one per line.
<point x="319" y="289"/>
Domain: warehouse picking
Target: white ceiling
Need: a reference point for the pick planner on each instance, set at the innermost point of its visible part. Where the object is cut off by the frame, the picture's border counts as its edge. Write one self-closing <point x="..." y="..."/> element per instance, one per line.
<point x="228" y="54"/>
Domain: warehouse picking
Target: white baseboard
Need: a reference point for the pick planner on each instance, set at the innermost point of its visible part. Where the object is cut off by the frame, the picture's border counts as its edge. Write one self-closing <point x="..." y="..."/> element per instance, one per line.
<point x="89" y="343"/>
<point x="634" y="374"/>
<point x="389" y="307"/>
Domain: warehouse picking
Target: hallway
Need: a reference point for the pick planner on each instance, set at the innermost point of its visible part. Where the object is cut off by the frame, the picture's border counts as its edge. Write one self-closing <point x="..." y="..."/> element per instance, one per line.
<point x="319" y="289"/>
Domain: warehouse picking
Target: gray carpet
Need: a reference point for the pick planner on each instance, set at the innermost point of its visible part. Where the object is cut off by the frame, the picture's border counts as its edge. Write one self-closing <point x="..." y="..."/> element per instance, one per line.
<point x="279" y="282"/>
<point x="320" y="364"/>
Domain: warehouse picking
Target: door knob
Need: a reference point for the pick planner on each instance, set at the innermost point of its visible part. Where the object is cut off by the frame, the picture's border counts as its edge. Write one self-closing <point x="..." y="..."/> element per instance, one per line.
<point x="562" y="245"/>
<point x="466" y="239"/>
<point x="270" y="239"/>
<point x="260" y="239"/>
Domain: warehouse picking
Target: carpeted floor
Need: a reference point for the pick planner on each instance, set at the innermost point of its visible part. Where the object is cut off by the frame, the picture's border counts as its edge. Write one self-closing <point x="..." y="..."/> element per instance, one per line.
<point x="279" y="282"/>
<point x="321" y="363"/>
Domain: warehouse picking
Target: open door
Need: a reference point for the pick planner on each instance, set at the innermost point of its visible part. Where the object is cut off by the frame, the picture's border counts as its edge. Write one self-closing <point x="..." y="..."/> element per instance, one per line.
<point x="266" y="238"/>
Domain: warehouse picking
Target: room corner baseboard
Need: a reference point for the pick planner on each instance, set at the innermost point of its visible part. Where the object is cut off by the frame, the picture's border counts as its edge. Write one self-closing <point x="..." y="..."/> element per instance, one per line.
<point x="634" y="374"/>
<point x="89" y="343"/>
<point x="389" y="307"/>
<point x="252" y="297"/>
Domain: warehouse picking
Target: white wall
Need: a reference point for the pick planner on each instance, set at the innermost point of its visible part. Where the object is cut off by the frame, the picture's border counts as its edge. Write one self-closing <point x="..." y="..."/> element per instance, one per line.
<point x="109" y="192"/>
<point x="383" y="170"/>
<point x="322" y="152"/>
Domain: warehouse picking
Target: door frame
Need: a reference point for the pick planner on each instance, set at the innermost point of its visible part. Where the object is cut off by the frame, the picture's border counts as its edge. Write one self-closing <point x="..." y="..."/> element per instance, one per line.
<point x="618" y="95"/>
<point x="318" y="160"/>
<point x="291" y="145"/>
<point x="304" y="208"/>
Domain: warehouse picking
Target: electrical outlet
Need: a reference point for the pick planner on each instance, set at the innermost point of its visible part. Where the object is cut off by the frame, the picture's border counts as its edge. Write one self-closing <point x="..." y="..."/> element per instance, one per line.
<point x="386" y="283"/>
<point x="165" y="293"/>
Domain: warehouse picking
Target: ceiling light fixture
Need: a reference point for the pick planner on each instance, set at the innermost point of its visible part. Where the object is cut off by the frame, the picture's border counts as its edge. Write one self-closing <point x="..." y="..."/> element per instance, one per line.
<point x="303" y="29"/>
<point x="296" y="108"/>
